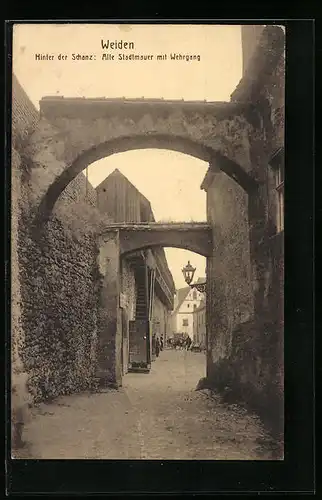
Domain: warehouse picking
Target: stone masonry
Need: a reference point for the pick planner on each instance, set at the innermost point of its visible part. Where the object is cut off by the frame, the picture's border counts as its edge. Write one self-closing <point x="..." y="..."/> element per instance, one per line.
<point x="54" y="279"/>
<point x="245" y="274"/>
<point x="54" y="235"/>
<point x="75" y="132"/>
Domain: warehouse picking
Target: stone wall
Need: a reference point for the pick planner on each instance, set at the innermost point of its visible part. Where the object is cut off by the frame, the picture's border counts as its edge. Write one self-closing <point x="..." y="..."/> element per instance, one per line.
<point x="20" y="397"/>
<point x="128" y="312"/>
<point x="24" y="120"/>
<point x="79" y="189"/>
<point x="273" y="94"/>
<point x="54" y="277"/>
<point x="250" y="36"/>
<point x="99" y="127"/>
<point x="245" y="275"/>
<point x="110" y="313"/>
<point x="231" y="283"/>
<point x="25" y="117"/>
<point x="245" y="325"/>
<point x="59" y="298"/>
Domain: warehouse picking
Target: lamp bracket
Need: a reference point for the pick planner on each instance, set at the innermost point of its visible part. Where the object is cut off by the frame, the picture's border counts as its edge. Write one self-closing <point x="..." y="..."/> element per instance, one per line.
<point x="201" y="287"/>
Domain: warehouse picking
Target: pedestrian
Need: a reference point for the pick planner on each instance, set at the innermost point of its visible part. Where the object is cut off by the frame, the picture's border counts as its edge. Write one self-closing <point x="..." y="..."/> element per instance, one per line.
<point x="161" y="344"/>
<point x="188" y="343"/>
<point x="153" y="347"/>
<point x="157" y="347"/>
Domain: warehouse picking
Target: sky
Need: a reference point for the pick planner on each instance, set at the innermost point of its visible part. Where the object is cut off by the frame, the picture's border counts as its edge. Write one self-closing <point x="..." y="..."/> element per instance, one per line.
<point x="171" y="181"/>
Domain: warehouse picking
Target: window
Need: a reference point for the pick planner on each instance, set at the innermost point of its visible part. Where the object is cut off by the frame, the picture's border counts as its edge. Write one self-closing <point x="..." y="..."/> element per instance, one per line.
<point x="194" y="295"/>
<point x="185" y="322"/>
<point x="277" y="164"/>
<point x="188" y="305"/>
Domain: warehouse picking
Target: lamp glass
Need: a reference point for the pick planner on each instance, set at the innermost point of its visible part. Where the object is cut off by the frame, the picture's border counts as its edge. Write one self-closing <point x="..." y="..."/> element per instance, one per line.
<point x="188" y="272"/>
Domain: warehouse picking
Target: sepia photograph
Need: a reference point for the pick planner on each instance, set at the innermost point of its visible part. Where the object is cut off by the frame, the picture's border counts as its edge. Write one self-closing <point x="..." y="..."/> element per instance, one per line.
<point x="147" y="241"/>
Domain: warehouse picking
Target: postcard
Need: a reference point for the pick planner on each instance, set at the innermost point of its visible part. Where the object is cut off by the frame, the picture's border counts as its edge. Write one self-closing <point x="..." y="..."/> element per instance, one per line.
<point x="147" y="261"/>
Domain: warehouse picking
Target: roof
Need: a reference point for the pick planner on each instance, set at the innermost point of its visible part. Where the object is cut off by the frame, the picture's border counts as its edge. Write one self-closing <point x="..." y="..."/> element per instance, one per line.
<point x="142" y="199"/>
<point x="148" y="216"/>
<point x="117" y="173"/>
<point x="181" y="294"/>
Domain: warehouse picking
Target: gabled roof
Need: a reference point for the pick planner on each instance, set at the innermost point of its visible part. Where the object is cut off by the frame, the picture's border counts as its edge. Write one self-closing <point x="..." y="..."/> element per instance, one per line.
<point x="180" y="297"/>
<point x="148" y="216"/>
<point x="182" y="294"/>
<point x="118" y="174"/>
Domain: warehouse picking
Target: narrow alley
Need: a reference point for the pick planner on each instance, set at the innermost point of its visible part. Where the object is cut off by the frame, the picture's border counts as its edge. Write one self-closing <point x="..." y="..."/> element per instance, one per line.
<point x="153" y="416"/>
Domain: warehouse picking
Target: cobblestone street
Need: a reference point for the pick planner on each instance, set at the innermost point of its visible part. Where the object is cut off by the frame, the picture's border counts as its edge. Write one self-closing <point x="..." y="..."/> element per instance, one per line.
<point x="153" y="416"/>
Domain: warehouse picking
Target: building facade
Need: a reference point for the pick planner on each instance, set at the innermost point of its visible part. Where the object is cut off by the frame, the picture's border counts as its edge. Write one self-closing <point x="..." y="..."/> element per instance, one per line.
<point x="199" y="325"/>
<point x="147" y="287"/>
<point x="187" y="300"/>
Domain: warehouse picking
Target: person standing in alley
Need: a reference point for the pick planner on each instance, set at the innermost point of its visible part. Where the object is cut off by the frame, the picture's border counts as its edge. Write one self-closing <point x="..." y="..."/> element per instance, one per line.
<point x="188" y="343"/>
<point x="157" y="346"/>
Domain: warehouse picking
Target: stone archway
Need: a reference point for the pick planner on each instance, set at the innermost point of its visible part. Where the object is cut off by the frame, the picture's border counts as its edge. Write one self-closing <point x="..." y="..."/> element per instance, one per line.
<point x="195" y="236"/>
<point x="151" y="141"/>
<point x="112" y="250"/>
<point x="73" y="133"/>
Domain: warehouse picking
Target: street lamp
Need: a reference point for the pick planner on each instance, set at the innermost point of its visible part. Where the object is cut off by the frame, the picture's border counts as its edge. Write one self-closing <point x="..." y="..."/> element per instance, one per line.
<point x="188" y="273"/>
